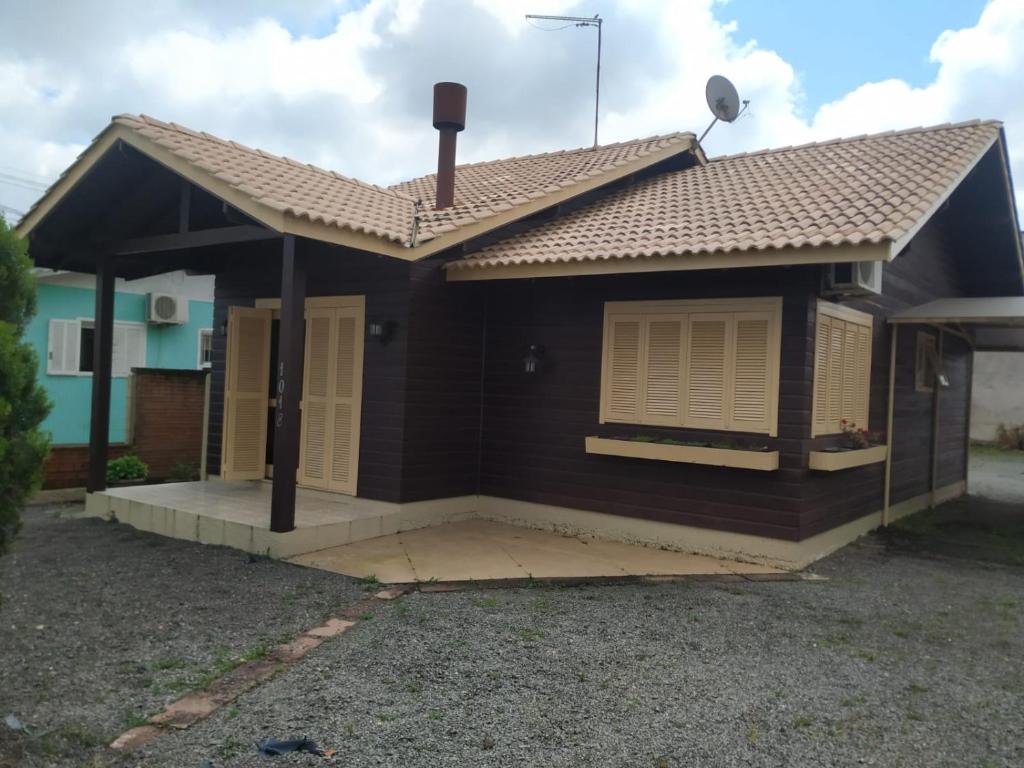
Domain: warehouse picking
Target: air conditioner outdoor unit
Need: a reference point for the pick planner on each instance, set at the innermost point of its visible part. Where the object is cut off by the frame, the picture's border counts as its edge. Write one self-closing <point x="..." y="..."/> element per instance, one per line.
<point x="164" y="309"/>
<point x="856" y="277"/>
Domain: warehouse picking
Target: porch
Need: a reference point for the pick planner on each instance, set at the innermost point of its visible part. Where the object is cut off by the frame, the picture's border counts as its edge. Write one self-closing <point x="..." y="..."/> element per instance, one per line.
<point x="237" y="514"/>
<point x="456" y="539"/>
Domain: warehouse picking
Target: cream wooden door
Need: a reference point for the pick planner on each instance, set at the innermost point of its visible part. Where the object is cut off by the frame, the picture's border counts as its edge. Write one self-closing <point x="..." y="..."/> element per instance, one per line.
<point x="244" y="443"/>
<point x="332" y="398"/>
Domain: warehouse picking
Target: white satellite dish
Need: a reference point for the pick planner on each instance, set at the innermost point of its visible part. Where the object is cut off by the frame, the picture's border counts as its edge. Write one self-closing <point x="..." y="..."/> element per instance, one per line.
<point x="723" y="101"/>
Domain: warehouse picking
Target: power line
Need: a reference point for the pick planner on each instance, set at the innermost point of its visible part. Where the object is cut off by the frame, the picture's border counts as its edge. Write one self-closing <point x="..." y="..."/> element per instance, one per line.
<point x="27" y="174"/>
<point x="17" y="181"/>
<point x="579" y="21"/>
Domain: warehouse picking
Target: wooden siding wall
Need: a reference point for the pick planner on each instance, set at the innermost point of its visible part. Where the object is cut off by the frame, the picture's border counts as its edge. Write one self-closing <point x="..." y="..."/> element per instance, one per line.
<point x="442" y="397"/>
<point x="927" y="270"/>
<point x="535" y="425"/>
<point x="333" y="272"/>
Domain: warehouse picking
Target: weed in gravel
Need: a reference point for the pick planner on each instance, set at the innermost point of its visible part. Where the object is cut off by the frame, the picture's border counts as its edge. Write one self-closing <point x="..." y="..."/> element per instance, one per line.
<point x="434" y="714"/>
<point x="531" y="633"/>
<point x="413" y="687"/>
<point x="229" y="747"/>
<point x="753" y="734"/>
<point x="867" y="655"/>
<point x="231" y="712"/>
<point x="487" y="602"/>
<point x="385" y="717"/>
<point x="834" y="641"/>
<point x="365" y="616"/>
<point x="350" y="729"/>
<point x="79" y="736"/>
<point x="803" y="721"/>
<point x="661" y="762"/>
<point x="171" y="663"/>
<point x="134" y="720"/>
<point x="853" y="701"/>
<point x="917" y="688"/>
<point x="369" y="580"/>
<point x="901" y="633"/>
<point x="851" y="621"/>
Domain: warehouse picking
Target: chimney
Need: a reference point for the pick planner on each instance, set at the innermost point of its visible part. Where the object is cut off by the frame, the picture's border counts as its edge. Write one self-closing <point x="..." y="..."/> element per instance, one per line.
<point x="449" y="119"/>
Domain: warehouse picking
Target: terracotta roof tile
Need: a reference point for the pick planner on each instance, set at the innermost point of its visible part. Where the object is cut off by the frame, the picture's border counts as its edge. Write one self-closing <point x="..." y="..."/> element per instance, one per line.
<point x="282" y="184"/>
<point x="485" y="189"/>
<point x="845" y="191"/>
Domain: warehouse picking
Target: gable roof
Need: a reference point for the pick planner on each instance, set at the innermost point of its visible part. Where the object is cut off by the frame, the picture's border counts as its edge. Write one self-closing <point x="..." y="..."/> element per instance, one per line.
<point x="492" y="187"/>
<point x="784" y="203"/>
<point x="289" y="196"/>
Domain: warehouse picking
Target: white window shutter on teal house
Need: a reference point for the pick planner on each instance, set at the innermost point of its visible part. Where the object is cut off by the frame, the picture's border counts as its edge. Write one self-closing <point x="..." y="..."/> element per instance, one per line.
<point x="62" y="348"/>
<point x="129" y="348"/>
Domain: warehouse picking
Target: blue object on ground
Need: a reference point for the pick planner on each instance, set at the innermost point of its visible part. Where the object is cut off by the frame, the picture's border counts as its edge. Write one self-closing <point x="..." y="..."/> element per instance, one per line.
<point x="276" y="747"/>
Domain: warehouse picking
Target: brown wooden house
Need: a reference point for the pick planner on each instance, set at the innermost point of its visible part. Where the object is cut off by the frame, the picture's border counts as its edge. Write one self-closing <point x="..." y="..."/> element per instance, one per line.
<point x="633" y="339"/>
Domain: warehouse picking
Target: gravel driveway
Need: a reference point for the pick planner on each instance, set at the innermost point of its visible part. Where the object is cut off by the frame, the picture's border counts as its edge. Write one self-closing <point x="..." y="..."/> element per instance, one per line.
<point x="901" y="656"/>
<point x="101" y="625"/>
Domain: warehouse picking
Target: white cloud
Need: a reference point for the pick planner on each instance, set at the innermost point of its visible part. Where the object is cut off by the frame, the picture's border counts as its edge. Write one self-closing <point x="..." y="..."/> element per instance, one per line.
<point x="347" y="85"/>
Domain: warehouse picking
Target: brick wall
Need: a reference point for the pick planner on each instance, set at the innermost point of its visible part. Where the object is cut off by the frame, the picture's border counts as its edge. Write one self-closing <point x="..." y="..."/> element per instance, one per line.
<point x="68" y="465"/>
<point x="167" y="420"/>
<point x="167" y="428"/>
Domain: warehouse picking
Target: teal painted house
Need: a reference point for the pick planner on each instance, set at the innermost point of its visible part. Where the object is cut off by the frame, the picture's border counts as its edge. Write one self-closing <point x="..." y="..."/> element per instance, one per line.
<point x="62" y="335"/>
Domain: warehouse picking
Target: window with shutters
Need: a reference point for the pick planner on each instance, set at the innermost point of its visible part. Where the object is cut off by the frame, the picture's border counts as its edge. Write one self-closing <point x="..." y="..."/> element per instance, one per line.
<point x="72" y="342"/>
<point x="701" y="363"/>
<point x="842" y="369"/>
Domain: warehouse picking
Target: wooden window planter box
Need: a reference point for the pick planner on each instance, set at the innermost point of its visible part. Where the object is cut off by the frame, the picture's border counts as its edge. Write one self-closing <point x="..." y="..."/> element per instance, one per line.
<point x="832" y="461"/>
<point x="765" y="461"/>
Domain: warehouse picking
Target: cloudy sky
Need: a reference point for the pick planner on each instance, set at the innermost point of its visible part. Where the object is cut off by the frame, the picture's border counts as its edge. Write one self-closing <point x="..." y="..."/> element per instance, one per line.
<point x="346" y="85"/>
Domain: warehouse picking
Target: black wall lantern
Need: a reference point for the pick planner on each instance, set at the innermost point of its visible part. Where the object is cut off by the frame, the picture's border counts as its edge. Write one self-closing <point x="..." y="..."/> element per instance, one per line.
<point x="534" y="359"/>
<point x="381" y="330"/>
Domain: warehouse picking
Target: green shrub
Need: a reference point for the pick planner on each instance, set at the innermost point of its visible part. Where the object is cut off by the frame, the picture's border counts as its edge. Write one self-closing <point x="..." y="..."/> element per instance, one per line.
<point x="23" y="403"/>
<point x="127" y="468"/>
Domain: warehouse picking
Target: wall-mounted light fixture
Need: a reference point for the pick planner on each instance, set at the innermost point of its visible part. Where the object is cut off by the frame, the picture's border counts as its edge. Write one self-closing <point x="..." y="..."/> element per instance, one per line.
<point x="223" y="328"/>
<point x="534" y="359"/>
<point x="381" y="330"/>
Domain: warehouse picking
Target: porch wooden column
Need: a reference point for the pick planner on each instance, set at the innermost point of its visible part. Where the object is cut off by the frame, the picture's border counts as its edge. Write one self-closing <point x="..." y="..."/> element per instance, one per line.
<point x="103" y="349"/>
<point x="287" y="419"/>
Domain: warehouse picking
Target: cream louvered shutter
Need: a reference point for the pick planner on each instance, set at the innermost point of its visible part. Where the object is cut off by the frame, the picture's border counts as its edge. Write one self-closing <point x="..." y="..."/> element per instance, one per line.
<point x="661" y="401"/>
<point x="623" y="340"/>
<point x="707" y="370"/>
<point x="245" y="394"/>
<point x="751" y="408"/>
<point x="316" y="398"/>
<point x="862" y="378"/>
<point x="63" y="348"/>
<point x="347" y="400"/>
<point x="822" y="336"/>
<point x="851" y="374"/>
<point x="332" y="399"/>
<point x="834" y="396"/>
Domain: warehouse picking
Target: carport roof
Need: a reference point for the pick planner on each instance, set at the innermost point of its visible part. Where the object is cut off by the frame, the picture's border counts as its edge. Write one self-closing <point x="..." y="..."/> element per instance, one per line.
<point x="992" y="311"/>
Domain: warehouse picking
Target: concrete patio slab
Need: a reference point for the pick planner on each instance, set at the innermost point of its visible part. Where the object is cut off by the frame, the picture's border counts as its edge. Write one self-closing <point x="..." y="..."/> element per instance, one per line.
<point x="482" y="550"/>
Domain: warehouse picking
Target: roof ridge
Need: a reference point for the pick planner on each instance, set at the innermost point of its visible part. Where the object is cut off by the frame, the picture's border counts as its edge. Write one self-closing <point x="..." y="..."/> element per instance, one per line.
<point x="127" y="119"/>
<point x="858" y="137"/>
<point x="559" y="153"/>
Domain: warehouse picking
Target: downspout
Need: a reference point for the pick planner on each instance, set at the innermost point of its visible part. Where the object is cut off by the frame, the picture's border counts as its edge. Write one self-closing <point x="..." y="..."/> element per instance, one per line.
<point x="889" y="423"/>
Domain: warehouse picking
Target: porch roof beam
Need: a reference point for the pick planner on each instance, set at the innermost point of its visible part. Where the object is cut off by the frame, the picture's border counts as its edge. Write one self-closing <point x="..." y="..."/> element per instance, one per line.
<point x="179" y="241"/>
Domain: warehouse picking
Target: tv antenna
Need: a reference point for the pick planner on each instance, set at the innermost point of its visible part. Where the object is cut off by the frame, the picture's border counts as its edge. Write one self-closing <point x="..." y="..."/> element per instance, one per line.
<point x="723" y="101"/>
<point x="581" y="21"/>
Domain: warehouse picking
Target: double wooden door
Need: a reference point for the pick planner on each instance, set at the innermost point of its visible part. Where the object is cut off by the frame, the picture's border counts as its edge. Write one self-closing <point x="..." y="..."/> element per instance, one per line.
<point x="331" y="402"/>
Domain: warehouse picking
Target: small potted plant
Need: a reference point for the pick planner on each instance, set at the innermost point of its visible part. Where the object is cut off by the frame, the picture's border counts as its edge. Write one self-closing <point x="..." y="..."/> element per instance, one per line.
<point x="127" y="470"/>
<point x="857" y="438"/>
